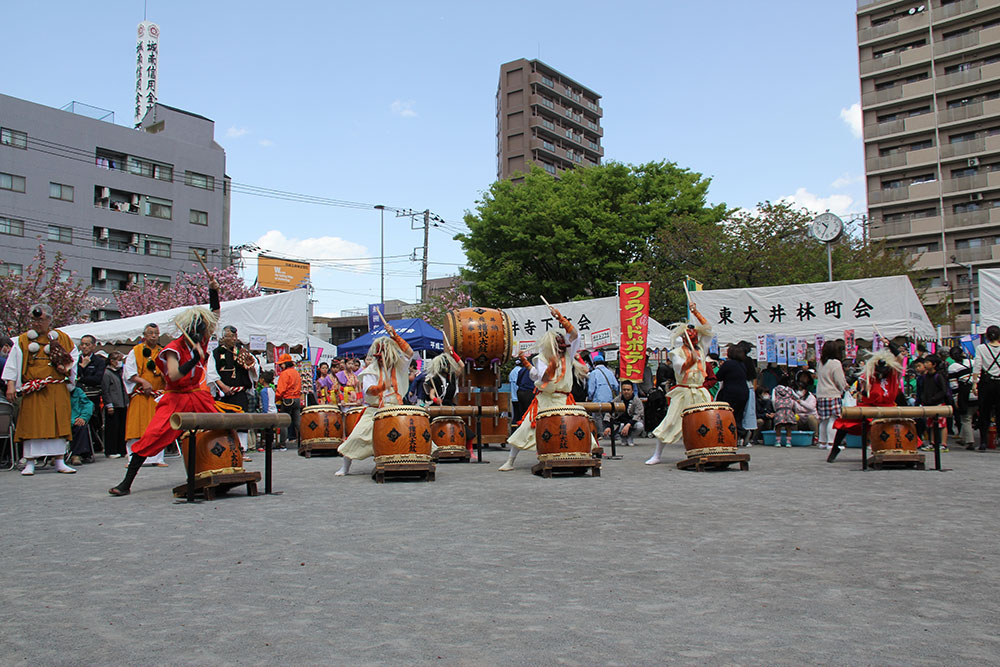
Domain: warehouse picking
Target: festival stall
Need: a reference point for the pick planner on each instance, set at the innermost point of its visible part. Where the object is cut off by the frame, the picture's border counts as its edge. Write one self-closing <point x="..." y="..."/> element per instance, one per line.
<point x="419" y="334"/>
<point x="989" y="299"/>
<point x="279" y="319"/>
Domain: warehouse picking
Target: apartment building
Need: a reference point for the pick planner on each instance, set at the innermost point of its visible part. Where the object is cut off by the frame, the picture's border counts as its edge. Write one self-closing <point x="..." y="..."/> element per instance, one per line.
<point x="930" y="97"/>
<point x="122" y="205"/>
<point x="545" y="118"/>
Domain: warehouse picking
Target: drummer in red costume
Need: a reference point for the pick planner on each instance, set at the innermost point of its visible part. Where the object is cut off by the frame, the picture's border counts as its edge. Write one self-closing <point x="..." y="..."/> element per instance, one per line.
<point x="880" y="386"/>
<point x="183" y="363"/>
<point x="553" y="372"/>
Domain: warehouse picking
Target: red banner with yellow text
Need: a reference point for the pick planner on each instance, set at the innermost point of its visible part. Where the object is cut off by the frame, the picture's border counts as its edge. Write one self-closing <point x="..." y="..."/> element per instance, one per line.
<point x="633" y="313"/>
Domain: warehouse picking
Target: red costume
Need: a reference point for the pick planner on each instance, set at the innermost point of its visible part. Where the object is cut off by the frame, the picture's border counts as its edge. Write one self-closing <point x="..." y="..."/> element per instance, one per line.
<point x="187" y="394"/>
<point x="882" y="393"/>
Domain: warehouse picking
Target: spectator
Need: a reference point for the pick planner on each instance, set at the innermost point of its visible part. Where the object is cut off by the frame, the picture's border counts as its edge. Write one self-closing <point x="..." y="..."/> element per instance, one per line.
<point x="647" y="377"/>
<point x="830" y="386"/>
<point x="960" y="379"/>
<point x="81" y="410"/>
<point x="986" y="378"/>
<point x="267" y="404"/>
<point x="327" y="387"/>
<point x="5" y="345"/>
<point x="733" y="376"/>
<point x="784" y="412"/>
<point x="602" y="386"/>
<point x="90" y="375"/>
<point x="525" y="388"/>
<point x="629" y="423"/>
<point x="805" y="409"/>
<point x="115" y="400"/>
<point x="288" y="395"/>
<point x="656" y="403"/>
<point x="935" y="392"/>
<point x="515" y="407"/>
<point x="765" y="409"/>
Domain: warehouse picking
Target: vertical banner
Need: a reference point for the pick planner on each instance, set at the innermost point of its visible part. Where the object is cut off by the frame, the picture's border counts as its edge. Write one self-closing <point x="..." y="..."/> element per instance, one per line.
<point x="761" y="348"/>
<point x="793" y="345"/>
<point x="782" y="350"/>
<point x="373" y="310"/>
<point x="772" y="349"/>
<point x="819" y="347"/>
<point x="849" y="348"/>
<point x="800" y="354"/>
<point x="876" y="341"/>
<point x="147" y="57"/>
<point x="633" y="314"/>
<point x="713" y="347"/>
<point x="277" y="351"/>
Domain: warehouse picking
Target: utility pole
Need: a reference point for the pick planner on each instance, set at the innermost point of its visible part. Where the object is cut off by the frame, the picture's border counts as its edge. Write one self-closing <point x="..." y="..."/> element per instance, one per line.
<point x="423" y="269"/>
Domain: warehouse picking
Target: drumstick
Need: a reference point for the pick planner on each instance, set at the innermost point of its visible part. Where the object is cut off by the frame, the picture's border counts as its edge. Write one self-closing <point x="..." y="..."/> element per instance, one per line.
<point x="202" y="262"/>
<point x="384" y="323"/>
<point x="544" y="301"/>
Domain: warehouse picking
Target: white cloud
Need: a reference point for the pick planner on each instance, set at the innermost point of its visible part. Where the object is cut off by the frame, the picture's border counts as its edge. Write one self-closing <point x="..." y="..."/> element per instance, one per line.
<point x="266" y="143"/>
<point x="236" y="132"/>
<point x="846" y="180"/>
<point x="403" y="109"/>
<point x="317" y="248"/>
<point x="839" y="204"/>
<point x="852" y="116"/>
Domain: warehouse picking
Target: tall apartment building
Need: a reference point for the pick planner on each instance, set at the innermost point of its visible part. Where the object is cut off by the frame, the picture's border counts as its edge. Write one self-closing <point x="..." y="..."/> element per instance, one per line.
<point x="930" y="96"/>
<point x="122" y="205"/>
<point x="545" y="118"/>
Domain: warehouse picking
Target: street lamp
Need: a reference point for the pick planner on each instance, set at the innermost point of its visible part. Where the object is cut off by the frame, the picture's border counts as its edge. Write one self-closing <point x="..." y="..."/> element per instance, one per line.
<point x="972" y="304"/>
<point x="381" y="210"/>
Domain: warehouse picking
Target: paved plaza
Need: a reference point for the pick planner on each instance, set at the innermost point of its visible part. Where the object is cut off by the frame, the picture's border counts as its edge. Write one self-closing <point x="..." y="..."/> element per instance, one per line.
<point x="795" y="561"/>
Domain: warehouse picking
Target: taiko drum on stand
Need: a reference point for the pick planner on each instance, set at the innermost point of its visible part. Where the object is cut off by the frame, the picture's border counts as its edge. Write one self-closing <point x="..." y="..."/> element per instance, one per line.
<point x="402" y="443"/>
<point x="321" y="430"/>
<point x="710" y="435"/>
<point x="893" y="443"/>
<point x="218" y="464"/>
<point x="564" y="441"/>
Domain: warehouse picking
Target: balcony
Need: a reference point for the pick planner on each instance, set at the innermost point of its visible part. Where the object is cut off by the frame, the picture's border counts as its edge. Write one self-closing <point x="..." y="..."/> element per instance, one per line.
<point x="907" y="159"/>
<point x="980" y="254"/>
<point x="928" y="260"/>
<point x="927" y="190"/>
<point x="924" y="121"/>
<point x="967" y="41"/>
<point x="901" y="25"/>
<point x="896" y="228"/>
<point x="942" y="12"/>
<point x="908" y="57"/>
<point x="973" y="182"/>
<point x="984" y="73"/>
<point x="906" y="90"/>
<point x="972" y="218"/>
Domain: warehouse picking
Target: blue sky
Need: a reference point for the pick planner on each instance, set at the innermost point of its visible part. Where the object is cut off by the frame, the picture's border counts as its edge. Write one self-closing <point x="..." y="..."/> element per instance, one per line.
<point x="394" y="103"/>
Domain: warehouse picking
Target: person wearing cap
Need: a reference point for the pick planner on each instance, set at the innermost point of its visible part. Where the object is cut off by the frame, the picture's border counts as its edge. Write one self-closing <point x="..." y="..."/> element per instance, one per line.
<point x="691" y="370"/>
<point x="144" y="383"/>
<point x="383" y="382"/>
<point x="183" y="363"/>
<point x="288" y="395"/>
<point x="42" y="368"/>
<point x="553" y="372"/>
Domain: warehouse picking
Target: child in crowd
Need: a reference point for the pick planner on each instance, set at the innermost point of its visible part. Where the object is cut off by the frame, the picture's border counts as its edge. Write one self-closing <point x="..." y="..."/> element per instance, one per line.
<point x="935" y="392"/>
<point x="265" y="386"/>
<point x="784" y="412"/>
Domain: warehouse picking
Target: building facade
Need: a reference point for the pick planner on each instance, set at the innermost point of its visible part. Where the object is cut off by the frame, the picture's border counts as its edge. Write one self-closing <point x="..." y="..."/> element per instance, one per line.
<point x="545" y="118"/>
<point x="930" y="99"/>
<point x="122" y="205"/>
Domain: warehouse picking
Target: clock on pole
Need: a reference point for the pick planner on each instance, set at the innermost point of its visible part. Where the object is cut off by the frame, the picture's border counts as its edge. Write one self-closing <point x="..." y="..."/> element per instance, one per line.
<point x="827" y="228"/>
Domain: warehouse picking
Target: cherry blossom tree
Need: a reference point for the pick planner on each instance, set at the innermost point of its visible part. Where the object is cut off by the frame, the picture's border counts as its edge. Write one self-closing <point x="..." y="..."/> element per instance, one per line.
<point x="189" y="289"/>
<point x="69" y="298"/>
<point x="434" y="308"/>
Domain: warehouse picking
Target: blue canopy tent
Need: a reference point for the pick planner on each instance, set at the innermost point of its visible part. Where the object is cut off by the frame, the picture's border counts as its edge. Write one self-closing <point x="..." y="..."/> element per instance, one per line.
<point x="419" y="334"/>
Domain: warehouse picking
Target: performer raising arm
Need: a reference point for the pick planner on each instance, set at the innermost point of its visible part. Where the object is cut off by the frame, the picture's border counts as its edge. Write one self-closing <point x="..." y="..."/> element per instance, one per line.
<point x="183" y="364"/>
<point x="552" y="373"/>
<point x="688" y="361"/>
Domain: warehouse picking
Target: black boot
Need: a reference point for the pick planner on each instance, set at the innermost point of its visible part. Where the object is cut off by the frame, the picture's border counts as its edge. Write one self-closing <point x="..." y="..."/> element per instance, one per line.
<point x="125" y="487"/>
<point x="835" y="447"/>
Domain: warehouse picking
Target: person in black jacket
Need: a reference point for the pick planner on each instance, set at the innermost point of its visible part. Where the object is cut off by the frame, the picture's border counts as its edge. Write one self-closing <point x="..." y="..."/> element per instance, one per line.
<point x="115" y="403"/>
<point x="935" y="392"/>
<point x="525" y="389"/>
<point x="89" y="376"/>
<point x="733" y="376"/>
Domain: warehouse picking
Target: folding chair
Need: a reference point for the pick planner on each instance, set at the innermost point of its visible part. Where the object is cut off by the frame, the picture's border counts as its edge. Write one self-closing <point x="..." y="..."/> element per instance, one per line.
<point x="7" y="431"/>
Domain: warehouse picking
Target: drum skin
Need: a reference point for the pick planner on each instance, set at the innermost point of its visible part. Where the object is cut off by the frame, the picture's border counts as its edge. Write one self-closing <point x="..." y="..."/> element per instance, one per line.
<point x="322" y="424"/>
<point x="563" y="430"/>
<point x="217" y="452"/>
<point x="482" y="336"/>
<point x="402" y="430"/>
<point x="448" y="433"/>
<point x="892" y="434"/>
<point x="351" y="419"/>
<point x="708" y="426"/>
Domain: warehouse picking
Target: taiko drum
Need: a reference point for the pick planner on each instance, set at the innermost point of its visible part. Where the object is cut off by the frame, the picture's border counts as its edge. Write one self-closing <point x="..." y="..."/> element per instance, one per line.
<point x="482" y="335"/>
<point x="402" y="432"/>
<point x="892" y="434"/>
<point x="216" y="452"/>
<point x="351" y="419"/>
<point x="448" y="433"/>
<point x="709" y="428"/>
<point x="322" y="425"/>
<point x="563" y="431"/>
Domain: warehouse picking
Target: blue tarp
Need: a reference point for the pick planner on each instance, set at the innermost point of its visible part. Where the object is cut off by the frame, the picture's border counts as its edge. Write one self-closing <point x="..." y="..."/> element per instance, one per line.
<point x="419" y="334"/>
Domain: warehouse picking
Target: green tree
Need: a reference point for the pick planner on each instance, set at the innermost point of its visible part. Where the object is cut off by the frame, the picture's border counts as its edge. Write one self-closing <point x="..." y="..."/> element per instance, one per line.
<point x="577" y="235"/>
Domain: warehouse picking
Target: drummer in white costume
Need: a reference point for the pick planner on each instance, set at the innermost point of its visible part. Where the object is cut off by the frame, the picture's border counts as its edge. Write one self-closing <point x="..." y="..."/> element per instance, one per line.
<point x="688" y="360"/>
<point x="384" y="381"/>
<point x="552" y="373"/>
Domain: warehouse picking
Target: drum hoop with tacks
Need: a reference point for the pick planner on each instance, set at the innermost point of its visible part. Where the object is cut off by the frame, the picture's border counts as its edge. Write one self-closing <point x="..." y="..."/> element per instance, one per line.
<point x="394" y="410"/>
<point x="701" y="407"/>
<point x="562" y="410"/>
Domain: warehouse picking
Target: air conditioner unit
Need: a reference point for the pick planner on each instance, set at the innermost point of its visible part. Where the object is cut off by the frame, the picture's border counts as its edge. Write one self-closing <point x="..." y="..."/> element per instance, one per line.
<point x="102" y="274"/>
<point x="105" y="193"/>
<point x="135" y="239"/>
<point x="104" y="233"/>
<point x="973" y="162"/>
<point x="976" y="196"/>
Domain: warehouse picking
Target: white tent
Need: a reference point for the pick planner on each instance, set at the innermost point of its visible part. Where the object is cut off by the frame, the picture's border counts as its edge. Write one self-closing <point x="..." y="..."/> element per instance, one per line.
<point x="282" y="318"/>
<point x="989" y="299"/>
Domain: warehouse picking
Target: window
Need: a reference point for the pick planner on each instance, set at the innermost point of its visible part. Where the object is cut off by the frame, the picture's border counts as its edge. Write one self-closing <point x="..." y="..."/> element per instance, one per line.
<point x="150" y="169"/>
<point x="199" y="217"/>
<point x="60" y="191"/>
<point x="546" y="102"/>
<point x="13" y="138"/>
<point x="65" y="275"/>
<point x="159" y="208"/>
<point x="194" y="253"/>
<point x="60" y="234"/>
<point x="157" y="246"/>
<point x="547" y="145"/>
<point x="548" y="82"/>
<point x="11" y="269"/>
<point x="11" y="227"/>
<point x="12" y="182"/>
<point x="924" y="178"/>
<point x="549" y="168"/>
<point x="199" y="180"/>
<point x="548" y="125"/>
